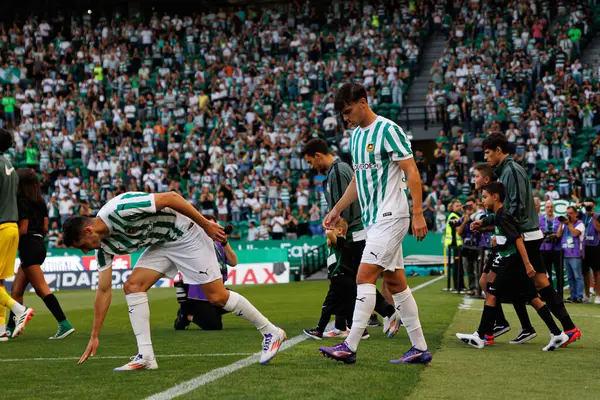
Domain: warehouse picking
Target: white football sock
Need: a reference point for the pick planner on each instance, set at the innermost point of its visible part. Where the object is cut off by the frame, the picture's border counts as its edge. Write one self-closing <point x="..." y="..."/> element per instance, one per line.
<point x="409" y="313"/>
<point x="365" y="304"/>
<point x="240" y="306"/>
<point x="139" y="314"/>
<point x="18" y="309"/>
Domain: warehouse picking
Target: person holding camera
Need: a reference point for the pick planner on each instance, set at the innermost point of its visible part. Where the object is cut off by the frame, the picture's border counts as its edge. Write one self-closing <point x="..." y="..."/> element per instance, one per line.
<point x="194" y="305"/>
<point x="591" y="221"/>
<point x="572" y="232"/>
<point x="470" y="248"/>
<point x="551" y="247"/>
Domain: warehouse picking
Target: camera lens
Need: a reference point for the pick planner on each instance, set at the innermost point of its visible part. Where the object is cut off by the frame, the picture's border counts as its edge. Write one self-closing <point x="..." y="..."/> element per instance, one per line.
<point x="228" y="229"/>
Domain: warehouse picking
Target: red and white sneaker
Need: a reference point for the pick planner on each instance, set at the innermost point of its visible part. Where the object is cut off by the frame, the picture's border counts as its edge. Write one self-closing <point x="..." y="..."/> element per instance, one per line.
<point x="21" y="321"/>
<point x="335" y="333"/>
<point x="271" y="344"/>
<point x="138" y="362"/>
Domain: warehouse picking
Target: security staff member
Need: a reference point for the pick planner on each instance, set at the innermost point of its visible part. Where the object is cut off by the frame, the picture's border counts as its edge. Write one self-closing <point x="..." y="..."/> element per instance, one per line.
<point x="452" y="238"/>
<point x="338" y="177"/>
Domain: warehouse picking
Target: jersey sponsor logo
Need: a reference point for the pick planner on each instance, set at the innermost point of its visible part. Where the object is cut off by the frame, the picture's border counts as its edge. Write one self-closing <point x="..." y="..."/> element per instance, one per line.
<point x="387" y="214"/>
<point x="375" y="255"/>
<point x="365" y="166"/>
<point x="370" y="147"/>
<point x="131" y="231"/>
<point x="8" y="170"/>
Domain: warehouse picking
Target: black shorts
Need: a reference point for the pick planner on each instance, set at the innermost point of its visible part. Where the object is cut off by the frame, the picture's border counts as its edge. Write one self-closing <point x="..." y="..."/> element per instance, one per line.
<point x="591" y="259"/>
<point x="32" y="250"/>
<point x="535" y="255"/>
<point x="511" y="283"/>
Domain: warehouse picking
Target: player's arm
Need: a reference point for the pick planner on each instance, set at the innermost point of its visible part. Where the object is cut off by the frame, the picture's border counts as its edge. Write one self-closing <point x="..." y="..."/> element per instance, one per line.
<point x="23" y="227"/>
<point x="175" y="202"/>
<point x="509" y="227"/>
<point x="101" y="303"/>
<point x="523" y="253"/>
<point x="596" y="223"/>
<point x="349" y="197"/>
<point x="413" y="181"/>
<point x="230" y="255"/>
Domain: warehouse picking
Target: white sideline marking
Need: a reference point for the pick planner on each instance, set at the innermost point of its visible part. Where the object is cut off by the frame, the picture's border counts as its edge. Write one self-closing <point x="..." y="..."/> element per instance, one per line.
<point x="121" y="357"/>
<point x="201" y="380"/>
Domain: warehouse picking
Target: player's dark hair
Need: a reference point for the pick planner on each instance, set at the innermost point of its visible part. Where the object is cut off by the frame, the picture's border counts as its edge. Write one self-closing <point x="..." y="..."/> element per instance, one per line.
<point x="348" y="94"/>
<point x="486" y="170"/>
<point x="6" y="140"/>
<point x="29" y="185"/>
<point x="495" y="140"/>
<point x="314" y="146"/>
<point x="496" y="188"/>
<point x="73" y="228"/>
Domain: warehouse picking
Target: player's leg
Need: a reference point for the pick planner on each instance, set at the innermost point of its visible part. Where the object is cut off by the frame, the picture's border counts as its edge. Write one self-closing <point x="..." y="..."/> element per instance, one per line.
<point x="363" y="307"/>
<point x="484" y="333"/>
<point x="240" y="306"/>
<point x="409" y="313"/>
<point x="35" y="275"/>
<point x="17" y="290"/>
<point x="196" y="245"/>
<point x="136" y="288"/>
<point x="548" y="294"/>
<point x="9" y="243"/>
<point x="327" y="310"/>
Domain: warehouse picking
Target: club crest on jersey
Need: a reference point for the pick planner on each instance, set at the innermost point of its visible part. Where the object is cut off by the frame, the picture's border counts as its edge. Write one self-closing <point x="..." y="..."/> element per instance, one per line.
<point x="131" y="231"/>
<point x="370" y="147"/>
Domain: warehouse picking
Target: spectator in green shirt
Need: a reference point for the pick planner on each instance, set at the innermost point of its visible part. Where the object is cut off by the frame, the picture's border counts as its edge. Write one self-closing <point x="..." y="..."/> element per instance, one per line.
<point x="575" y="34"/>
<point x="8" y="103"/>
<point x="31" y="156"/>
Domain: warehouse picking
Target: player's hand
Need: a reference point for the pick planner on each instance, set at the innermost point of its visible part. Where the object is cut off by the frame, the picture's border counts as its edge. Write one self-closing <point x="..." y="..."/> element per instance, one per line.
<point x="215" y="231"/>
<point x="529" y="269"/>
<point x="90" y="351"/>
<point x="494" y="241"/>
<point x="419" y="227"/>
<point x="476" y="225"/>
<point x="330" y="219"/>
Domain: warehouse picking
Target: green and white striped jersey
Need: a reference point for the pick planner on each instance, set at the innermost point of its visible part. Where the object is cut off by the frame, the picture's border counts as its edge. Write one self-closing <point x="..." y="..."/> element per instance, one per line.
<point x="135" y="224"/>
<point x="381" y="183"/>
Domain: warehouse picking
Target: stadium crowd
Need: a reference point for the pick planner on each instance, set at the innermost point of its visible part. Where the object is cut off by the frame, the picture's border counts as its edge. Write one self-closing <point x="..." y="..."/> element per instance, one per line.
<point x="514" y="68"/>
<point x="218" y="105"/>
<point x="215" y="105"/>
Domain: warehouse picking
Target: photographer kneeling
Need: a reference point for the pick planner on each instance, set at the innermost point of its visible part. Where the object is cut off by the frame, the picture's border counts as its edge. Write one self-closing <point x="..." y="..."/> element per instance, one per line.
<point x="194" y="305"/>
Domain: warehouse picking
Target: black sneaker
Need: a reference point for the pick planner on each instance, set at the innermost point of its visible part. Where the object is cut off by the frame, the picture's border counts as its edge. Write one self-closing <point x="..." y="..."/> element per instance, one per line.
<point x="500" y="330"/>
<point x="313" y="333"/>
<point x="523" y="336"/>
<point x="374" y="321"/>
<point x="181" y="322"/>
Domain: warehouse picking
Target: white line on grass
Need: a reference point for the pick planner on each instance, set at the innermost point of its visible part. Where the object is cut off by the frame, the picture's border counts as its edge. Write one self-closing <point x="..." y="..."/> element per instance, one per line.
<point x="199" y="381"/>
<point x="121" y="357"/>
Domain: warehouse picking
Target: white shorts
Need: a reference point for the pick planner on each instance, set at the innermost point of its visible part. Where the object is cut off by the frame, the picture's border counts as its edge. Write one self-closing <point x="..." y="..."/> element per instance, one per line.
<point x="193" y="255"/>
<point x="384" y="243"/>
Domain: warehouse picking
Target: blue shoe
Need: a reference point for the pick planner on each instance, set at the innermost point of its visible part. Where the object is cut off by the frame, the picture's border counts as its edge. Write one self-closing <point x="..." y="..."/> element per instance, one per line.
<point x="339" y="352"/>
<point x="414" y="356"/>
